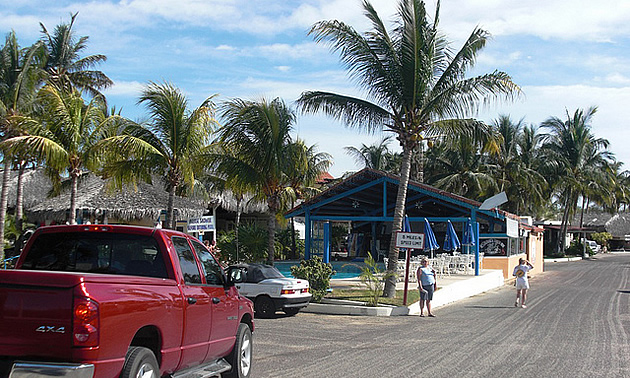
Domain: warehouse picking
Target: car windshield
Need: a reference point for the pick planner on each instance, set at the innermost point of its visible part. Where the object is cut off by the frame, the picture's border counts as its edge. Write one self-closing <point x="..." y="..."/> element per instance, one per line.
<point x="259" y="273"/>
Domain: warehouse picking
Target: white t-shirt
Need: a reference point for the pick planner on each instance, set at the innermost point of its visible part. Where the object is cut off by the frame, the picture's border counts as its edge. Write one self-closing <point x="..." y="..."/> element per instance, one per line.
<point x="520" y="271"/>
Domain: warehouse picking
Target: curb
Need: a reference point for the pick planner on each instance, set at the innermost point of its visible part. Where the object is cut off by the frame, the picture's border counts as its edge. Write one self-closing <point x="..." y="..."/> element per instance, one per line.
<point x="447" y="294"/>
<point x="562" y="259"/>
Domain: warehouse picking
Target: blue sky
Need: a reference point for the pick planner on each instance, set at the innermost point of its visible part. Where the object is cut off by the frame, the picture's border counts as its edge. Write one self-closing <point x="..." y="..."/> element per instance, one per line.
<point x="564" y="54"/>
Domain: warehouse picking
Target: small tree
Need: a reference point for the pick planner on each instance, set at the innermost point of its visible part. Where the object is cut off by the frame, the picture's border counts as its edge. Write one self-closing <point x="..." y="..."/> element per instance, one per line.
<point x="602" y="239"/>
<point x="317" y="273"/>
<point x="373" y="278"/>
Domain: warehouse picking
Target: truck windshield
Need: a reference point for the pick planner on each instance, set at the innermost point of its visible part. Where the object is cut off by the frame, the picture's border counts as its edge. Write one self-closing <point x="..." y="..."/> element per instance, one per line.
<point x="110" y="253"/>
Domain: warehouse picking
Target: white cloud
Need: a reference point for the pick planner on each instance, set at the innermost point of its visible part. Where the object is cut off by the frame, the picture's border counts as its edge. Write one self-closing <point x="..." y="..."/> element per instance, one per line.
<point x="125" y="88"/>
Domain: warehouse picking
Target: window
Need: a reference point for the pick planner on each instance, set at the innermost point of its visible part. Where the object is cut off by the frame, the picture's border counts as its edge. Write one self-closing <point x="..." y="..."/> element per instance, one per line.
<point x="187" y="261"/>
<point x="212" y="269"/>
<point x="98" y="252"/>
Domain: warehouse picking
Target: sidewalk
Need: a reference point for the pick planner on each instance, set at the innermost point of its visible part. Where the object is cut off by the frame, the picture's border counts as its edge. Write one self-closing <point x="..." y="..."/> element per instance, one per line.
<point x="451" y="289"/>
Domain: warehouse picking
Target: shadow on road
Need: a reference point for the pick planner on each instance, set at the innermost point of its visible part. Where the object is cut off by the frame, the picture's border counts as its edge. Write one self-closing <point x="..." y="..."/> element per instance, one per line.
<point x="623" y="291"/>
<point x="489" y="306"/>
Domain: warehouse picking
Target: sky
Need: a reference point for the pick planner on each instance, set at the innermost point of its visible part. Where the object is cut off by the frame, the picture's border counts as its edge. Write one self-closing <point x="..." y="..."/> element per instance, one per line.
<point x="564" y="54"/>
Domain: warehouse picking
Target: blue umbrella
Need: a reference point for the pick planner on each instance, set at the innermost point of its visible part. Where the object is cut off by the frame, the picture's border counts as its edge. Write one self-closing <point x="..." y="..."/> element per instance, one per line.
<point x="406" y="225"/>
<point x="451" y="241"/>
<point x="430" y="243"/>
<point x="469" y="236"/>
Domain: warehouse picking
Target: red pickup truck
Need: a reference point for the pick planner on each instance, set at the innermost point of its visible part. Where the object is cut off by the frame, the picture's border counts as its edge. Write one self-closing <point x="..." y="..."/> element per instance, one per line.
<point x="121" y="301"/>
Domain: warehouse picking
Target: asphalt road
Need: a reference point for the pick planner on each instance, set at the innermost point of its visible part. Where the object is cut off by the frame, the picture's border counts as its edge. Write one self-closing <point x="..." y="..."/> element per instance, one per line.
<point x="577" y="324"/>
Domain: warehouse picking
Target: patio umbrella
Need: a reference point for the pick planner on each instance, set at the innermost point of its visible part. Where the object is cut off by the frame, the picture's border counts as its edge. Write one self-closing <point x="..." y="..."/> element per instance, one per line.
<point x="430" y="243"/>
<point x="451" y="241"/>
<point x="469" y="236"/>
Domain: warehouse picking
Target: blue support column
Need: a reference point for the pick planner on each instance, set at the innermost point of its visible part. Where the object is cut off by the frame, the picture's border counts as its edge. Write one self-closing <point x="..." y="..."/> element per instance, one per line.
<point x="477" y="257"/>
<point x="307" y="235"/>
<point x="326" y="242"/>
<point x="374" y="250"/>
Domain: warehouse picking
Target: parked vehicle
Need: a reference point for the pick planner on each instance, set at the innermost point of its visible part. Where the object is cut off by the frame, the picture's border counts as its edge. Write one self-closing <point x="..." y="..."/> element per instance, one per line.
<point x="121" y="301"/>
<point x="271" y="290"/>
<point x="593" y="246"/>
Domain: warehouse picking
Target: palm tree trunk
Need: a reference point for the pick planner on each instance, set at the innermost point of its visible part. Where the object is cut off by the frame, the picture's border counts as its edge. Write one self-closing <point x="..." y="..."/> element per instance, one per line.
<point x="170" y="221"/>
<point x="19" y="210"/>
<point x="74" y="176"/>
<point x="271" y="229"/>
<point x="238" y="223"/>
<point x="19" y="197"/>
<point x="4" y="199"/>
<point x="582" y="212"/>
<point x="390" y="283"/>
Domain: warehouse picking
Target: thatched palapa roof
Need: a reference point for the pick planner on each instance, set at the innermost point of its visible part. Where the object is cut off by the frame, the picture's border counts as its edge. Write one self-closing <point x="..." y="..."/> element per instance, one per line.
<point x="144" y="202"/>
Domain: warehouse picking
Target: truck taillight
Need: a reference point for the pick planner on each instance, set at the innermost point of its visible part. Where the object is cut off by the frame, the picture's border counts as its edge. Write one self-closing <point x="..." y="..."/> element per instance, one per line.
<point x="85" y="323"/>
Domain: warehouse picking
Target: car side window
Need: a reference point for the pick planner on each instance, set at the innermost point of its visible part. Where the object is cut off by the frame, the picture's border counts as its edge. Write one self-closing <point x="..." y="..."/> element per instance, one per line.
<point x="213" y="273"/>
<point x="187" y="262"/>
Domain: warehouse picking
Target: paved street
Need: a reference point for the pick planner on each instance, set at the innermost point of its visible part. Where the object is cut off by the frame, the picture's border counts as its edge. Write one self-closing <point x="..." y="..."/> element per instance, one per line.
<point x="577" y="324"/>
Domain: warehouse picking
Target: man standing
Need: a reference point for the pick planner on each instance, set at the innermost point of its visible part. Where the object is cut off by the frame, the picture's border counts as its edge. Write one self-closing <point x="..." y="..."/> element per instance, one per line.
<point x="522" y="283"/>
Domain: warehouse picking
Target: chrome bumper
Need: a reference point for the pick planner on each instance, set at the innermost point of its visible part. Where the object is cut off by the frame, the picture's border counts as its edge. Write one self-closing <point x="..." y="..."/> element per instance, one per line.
<point x="25" y="369"/>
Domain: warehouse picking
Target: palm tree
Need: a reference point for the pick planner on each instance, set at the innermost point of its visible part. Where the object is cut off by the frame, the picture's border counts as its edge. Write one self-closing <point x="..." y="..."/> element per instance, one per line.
<point x="258" y="135"/>
<point x="65" y="68"/>
<point x="19" y="75"/>
<point x="458" y="165"/>
<point x="305" y="168"/>
<point x="573" y="156"/>
<point x="170" y="145"/>
<point x="415" y="83"/>
<point x="523" y="185"/>
<point x="376" y="156"/>
<point x="66" y="143"/>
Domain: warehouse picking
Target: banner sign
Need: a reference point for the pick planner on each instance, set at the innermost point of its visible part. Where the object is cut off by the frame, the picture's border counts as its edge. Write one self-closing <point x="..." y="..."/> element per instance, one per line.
<point x="201" y="224"/>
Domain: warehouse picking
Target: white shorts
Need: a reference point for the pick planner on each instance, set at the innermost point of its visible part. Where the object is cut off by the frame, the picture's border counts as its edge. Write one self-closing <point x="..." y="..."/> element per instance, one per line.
<point x="521" y="284"/>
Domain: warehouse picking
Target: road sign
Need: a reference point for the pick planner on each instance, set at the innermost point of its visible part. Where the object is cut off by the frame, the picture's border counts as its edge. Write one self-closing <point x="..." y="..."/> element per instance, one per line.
<point x="411" y="240"/>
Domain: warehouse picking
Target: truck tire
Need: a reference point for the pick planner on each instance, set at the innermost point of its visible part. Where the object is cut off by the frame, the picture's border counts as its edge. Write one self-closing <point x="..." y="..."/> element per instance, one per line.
<point x="264" y="307"/>
<point x="241" y="356"/>
<point x="140" y="362"/>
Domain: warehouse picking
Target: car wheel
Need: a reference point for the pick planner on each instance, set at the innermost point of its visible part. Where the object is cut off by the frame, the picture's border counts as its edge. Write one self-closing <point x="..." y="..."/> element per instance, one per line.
<point x="291" y="311"/>
<point x="140" y="362"/>
<point x="241" y="356"/>
<point x="264" y="307"/>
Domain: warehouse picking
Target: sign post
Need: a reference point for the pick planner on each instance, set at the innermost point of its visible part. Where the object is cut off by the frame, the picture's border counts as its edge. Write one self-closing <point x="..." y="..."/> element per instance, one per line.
<point x="410" y="241"/>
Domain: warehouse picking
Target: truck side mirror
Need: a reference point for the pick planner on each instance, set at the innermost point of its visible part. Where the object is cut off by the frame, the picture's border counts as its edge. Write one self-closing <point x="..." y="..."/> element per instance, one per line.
<point x="236" y="275"/>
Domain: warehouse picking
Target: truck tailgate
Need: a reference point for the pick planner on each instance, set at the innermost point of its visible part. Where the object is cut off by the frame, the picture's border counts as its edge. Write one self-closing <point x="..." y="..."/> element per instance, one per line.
<point x="34" y="316"/>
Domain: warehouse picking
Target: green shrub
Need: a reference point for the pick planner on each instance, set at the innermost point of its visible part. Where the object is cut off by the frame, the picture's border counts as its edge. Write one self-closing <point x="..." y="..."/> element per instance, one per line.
<point x="317" y="273"/>
<point x="373" y="278"/>
<point x="284" y="245"/>
<point x="602" y="239"/>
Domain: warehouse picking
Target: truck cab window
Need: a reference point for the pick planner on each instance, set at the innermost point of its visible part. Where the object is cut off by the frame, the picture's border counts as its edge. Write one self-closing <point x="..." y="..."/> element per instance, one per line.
<point x="187" y="261"/>
<point x="212" y="270"/>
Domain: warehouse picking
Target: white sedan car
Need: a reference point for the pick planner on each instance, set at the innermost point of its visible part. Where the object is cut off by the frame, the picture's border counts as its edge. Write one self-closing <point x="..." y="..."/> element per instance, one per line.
<point x="269" y="289"/>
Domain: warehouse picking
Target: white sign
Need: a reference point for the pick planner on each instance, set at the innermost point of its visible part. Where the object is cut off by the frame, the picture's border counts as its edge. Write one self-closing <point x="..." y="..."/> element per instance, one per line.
<point x="201" y="224"/>
<point x="411" y="240"/>
<point x="511" y="228"/>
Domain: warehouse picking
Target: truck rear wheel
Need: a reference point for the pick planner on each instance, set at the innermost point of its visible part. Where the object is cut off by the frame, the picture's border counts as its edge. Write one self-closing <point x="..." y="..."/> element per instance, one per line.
<point x="140" y="362"/>
<point x="241" y="356"/>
